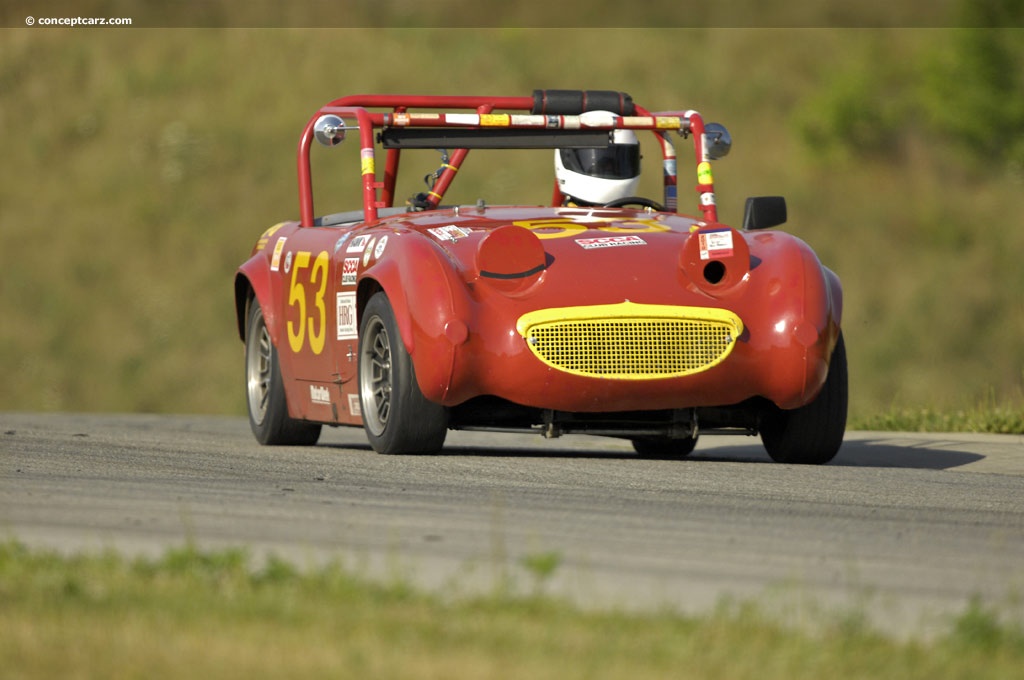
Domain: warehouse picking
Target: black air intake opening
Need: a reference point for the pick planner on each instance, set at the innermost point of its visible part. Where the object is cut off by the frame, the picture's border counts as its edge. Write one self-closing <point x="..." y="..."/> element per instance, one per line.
<point x="714" y="271"/>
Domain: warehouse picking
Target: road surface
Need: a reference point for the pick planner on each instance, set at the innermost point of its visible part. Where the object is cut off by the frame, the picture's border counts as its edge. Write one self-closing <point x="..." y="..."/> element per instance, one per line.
<point x="906" y="527"/>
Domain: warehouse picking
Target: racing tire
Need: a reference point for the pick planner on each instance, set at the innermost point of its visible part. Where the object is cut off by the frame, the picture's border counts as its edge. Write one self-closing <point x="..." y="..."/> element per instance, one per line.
<point x="268" y="407"/>
<point x="397" y="418"/>
<point x="664" y="448"/>
<point x="813" y="433"/>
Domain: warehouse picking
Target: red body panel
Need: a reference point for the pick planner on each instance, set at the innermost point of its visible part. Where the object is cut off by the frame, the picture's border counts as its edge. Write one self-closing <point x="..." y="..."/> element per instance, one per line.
<point x="460" y="327"/>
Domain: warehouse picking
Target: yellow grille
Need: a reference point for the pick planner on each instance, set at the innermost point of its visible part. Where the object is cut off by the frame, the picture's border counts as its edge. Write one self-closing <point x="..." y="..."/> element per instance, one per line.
<point x="630" y="341"/>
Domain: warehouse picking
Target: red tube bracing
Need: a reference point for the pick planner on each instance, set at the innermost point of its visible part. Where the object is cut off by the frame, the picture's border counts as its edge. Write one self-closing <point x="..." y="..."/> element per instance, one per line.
<point x="545" y="110"/>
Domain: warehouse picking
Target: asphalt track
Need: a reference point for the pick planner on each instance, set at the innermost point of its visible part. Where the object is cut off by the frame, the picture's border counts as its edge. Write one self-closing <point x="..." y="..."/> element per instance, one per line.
<point x="906" y="528"/>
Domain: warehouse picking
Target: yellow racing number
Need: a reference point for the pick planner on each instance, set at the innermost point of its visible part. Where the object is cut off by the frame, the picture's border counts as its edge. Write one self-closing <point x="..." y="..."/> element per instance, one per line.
<point x="316" y="319"/>
<point x="562" y="227"/>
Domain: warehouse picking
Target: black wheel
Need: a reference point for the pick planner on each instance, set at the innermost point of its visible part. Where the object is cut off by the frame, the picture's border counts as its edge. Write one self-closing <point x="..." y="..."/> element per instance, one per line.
<point x="268" y="409"/>
<point x="635" y="200"/>
<point x="811" y="434"/>
<point x="396" y="416"/>
<point x="664" y="447"/>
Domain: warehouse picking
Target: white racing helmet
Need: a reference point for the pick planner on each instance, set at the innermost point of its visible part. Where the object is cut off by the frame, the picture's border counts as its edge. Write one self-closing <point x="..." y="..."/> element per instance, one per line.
<point x="599" y="176"/>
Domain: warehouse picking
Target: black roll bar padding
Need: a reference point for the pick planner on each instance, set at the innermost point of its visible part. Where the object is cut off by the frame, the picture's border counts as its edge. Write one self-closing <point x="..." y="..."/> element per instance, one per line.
<point x="575" y="102"/>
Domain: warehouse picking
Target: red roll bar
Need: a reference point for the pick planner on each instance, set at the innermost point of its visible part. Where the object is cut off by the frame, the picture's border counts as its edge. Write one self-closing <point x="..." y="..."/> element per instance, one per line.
<point x="490" y="113"/>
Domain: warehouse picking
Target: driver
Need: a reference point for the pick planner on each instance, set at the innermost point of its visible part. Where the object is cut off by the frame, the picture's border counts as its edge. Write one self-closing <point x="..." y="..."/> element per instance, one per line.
<point x="594" y="177"/>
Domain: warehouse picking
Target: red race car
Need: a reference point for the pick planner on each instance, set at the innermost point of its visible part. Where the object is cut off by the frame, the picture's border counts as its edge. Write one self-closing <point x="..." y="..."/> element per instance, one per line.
<point x="603" y="313"/>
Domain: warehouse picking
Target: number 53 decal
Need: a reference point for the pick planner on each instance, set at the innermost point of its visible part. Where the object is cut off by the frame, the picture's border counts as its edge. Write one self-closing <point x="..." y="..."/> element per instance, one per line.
<point x="315" y="319"/>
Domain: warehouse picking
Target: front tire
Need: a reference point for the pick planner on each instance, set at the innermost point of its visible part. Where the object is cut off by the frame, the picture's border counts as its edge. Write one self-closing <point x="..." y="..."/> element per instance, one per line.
<point x="268" y="408"/>
<point x="813" y="433"/>
<point x="397" y="418"/>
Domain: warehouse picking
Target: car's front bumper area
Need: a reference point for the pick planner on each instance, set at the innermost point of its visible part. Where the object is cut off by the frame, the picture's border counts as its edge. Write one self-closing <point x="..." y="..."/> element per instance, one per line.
<point x="629" y="357"/>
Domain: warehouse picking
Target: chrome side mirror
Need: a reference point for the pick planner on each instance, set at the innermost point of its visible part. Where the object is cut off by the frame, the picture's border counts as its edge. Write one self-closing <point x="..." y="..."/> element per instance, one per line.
<point x="329" y="130"/>
<point x="717" y="141"/>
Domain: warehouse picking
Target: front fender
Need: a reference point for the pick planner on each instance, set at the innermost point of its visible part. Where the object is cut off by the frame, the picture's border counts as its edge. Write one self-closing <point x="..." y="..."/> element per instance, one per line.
<point x="798" y="325"/>
<point x="835" y="295"/>
<point x="253" y="280"/>
<point x="429" y="300"/>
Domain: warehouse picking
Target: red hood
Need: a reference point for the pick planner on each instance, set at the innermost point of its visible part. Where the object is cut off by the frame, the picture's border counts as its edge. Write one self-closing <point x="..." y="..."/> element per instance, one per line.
<point x="591" y="256"/>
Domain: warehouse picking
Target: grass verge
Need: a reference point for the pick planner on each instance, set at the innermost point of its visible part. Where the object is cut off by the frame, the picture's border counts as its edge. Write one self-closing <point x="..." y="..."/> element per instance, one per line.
<point x="195" y="614"/>
<point x="986" y="417"/>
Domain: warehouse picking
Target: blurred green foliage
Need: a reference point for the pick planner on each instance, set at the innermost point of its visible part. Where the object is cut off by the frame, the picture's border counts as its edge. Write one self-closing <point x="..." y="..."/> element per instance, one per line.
<point x="141" y="166"/>
<point x="967" y="88"/>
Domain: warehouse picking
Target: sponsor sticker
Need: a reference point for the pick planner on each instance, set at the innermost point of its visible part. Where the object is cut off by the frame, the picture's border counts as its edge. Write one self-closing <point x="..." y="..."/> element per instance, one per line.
<point x="610" y="242"/>
<point x="265" y="237"/>
<point x="349" y="269"/>
<point x="275" y="261"/>
<point x="523" y="120"/>
<point x="347" y="326"/>
<point x="382" y="243"/>
<point x="449" y="233"/>
<point x="367" y="252"/>
<point x="495" y="119"/>
<point x="366" y="162"/>
<point x="704" y="173"/>
<point x="319" y="394"/>
<point x="358" y="244"/>
<point x="715" y="244"/>
<point x="462" y="119"/>
<point x="354" y="407"/>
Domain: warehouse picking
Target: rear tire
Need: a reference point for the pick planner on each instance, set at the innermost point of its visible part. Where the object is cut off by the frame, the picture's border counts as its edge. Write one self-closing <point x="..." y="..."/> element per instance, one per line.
<point x="813" y="433"/>
<point x="397" y="418"/>
<point x="268" y="408"/>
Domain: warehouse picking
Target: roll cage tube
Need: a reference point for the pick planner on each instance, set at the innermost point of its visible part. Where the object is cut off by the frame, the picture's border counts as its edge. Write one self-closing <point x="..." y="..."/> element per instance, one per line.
<point x="492" y="131"/>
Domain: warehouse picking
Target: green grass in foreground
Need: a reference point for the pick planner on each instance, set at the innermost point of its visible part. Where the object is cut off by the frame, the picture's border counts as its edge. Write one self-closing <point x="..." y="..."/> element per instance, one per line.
<point x="193" y="614"/>
<point x="987" y="417"/>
